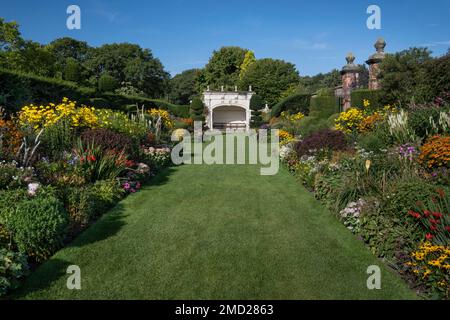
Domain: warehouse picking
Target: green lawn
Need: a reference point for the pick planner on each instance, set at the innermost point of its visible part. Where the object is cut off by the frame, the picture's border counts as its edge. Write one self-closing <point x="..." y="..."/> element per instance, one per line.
<point x="216" y="232"/>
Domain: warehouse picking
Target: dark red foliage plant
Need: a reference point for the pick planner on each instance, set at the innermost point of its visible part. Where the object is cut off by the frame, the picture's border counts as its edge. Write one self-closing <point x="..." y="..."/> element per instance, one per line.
<point x="324" y="140"/>
<point x="108" y="140"/>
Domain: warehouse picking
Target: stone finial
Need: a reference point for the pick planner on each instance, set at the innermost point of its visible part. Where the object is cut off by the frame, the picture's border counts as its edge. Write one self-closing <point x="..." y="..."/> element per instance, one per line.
<point x="350" y="66"/>
<point x="250" y="88"/>
<point x="350" y="58"/>
<point x="235" y="88"/>
<point x="380" y="45"/>
<point x="221" y="88"/>
<point x="207" y="88"/>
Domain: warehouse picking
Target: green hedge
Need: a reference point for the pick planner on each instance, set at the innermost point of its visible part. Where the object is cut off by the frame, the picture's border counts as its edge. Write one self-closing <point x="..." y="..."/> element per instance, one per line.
<point x="374" y="96"/>
<point x="19" y="89"/>
<point x="293" y="104"/>
<point x="323" y="107"/>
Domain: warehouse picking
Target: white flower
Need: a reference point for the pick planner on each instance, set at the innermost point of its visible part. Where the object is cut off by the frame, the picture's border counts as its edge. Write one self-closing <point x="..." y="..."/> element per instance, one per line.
<point x="33" y="188"/>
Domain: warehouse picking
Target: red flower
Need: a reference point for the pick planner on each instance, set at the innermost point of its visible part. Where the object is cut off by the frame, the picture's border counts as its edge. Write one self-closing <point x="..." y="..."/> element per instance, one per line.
<point x="433" y="228"/>
<point x="92" y="158"/>
<point x="429" y="236"/>
<point x="427" y="213"/>
<point x="414" y="214"/>
<point x="437" y="215"/>
<point x="447" y="228"/>
<point x="433" y="221"/>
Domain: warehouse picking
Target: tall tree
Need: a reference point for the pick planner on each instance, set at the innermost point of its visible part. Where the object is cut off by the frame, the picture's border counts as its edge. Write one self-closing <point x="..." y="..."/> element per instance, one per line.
<point x="249" y="59"/>
<point x="269" y="78"/>
<point x="183" y="86"/>
<point x="402" y="75"/>
<point x="129" y="63"/>
<point x="9" y="35"/>
<point x="224" y="67"/>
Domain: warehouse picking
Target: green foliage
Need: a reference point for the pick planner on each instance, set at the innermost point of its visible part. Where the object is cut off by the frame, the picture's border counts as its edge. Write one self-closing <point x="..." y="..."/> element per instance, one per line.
<point x="402" y="76"/>
<point x="323" y="106"/>
<point x="197" y="110"/>
<point x="128" y="63"/>
<point x="419" y="120"/>
<point x="13" y="266"/>
<point x="293" y="104"/>
<point x="224" y="67"/>
<point x="85" y="204"/>
<point x="107" y="83"/>
<point x="312" y="84"/>
<point x="98" y="164"/>
<point x="256" y="104"/>
<point x="269" y="78"/>
<point x="73" y="71"/>
<point x="9" y="35"/>
<point x="12" y="176"/>
<point x="249" y="59"/>
<point x="437" y="77"/>
<point x="57" y="138"/>
<point x="310" y="125"/>
<point x="373" y="96"/>
<point x="36" y="224"/>
<point x="183" y="86"/>
<point x="19" y="89"/>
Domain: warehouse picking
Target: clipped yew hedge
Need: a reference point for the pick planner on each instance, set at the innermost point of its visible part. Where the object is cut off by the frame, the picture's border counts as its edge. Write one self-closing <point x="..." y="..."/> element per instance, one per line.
<point x="322" y="107"/>
<point x="293" y="104"/>
<point x="374" y="96"/>
<point x="18" y="89"/>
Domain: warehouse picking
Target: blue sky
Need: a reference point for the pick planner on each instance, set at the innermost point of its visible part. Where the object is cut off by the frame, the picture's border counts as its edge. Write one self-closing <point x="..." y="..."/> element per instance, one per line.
<point x="314" y="35"/>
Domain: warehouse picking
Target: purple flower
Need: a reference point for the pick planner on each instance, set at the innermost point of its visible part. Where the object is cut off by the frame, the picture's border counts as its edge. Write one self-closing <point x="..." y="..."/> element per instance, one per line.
<point x="126" y="186"/>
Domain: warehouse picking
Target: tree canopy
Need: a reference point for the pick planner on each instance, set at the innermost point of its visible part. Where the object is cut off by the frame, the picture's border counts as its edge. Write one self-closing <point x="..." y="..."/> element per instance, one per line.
<point x="224" y="67"/>
<point x="183" y="86"/>
<point x="269" y="78"/>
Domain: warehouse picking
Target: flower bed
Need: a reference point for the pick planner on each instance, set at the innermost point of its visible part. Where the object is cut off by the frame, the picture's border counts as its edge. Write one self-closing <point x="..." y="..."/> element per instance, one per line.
<point x="62" y="166"/>
<point x="387" y="180"/>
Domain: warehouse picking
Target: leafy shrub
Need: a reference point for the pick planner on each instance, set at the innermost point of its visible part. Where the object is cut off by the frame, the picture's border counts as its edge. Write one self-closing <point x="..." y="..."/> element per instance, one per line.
<point x="325" y="140"/>
<point x="36" y="224"/>
<point x="435" y="153"/>
<point x="323" y="106"/>
<point x="85" y="204"/>
<point x="358" y="96"/>
<point x="13" y="266"/>
<point x="197" y="110"/>
<point x="107" y="83"/>
<point x="293" y="104"/>
<point x="109" y="140"/>
<point x="310" y="125"/>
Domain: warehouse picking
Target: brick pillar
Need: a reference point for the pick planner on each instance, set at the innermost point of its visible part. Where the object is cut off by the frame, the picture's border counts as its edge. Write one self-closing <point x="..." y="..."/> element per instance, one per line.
<point x="374" y="64"/>
<point x="350" y="80"/>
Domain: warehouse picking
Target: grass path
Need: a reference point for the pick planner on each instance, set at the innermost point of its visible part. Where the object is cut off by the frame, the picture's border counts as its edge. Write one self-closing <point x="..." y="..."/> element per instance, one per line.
<point x="216" y="232"/>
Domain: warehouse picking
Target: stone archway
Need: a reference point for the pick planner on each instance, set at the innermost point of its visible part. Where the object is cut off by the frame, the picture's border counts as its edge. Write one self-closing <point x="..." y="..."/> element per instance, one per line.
<point x="229" y="117"/>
